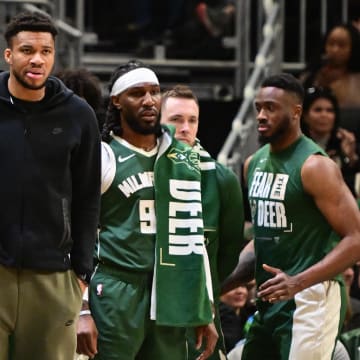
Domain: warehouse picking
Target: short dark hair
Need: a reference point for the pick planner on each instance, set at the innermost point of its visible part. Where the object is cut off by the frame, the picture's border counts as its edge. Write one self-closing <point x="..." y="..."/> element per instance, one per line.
<point x="287" y="82"/>
<point x="179" y="91"/>
<point x="29" y="21"/>
<point x="314" y="93"/>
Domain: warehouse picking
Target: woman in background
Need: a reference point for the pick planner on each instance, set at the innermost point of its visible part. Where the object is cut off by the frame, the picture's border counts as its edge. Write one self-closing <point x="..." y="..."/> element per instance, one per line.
<point x="320" y="122"/>
<point x="337" y="66"/>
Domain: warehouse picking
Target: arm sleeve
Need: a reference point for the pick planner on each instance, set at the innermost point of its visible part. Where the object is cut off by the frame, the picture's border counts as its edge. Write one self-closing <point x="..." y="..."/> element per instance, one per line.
<point x="85" y="167"/>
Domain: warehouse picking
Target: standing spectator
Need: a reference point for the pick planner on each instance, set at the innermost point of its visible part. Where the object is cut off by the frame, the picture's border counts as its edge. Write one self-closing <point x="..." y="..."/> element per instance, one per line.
<point x="321" y="122"/>
<point x="235" y="309"/>
<point x="338" y="66"/>
<point x="218" y="20"/>
<point x="151" y="279"/>
<point x="298" y="198"/>
<point x="221" y="198"/>
<point x="352" y="320"/>
<point x="50" y="166"/>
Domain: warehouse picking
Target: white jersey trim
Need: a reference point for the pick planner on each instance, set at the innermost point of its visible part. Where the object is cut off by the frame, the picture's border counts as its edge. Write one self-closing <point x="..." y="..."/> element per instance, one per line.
<point x="108" y="161"/>
<point x="150" y="153"/>
<point x="108" y="167"/>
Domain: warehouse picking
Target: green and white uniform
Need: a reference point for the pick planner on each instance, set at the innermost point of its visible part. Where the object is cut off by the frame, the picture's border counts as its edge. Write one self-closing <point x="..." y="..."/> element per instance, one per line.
<point x="291" y="234"/>
<point x="128" y="251"/>
<point x="128" y="200"/>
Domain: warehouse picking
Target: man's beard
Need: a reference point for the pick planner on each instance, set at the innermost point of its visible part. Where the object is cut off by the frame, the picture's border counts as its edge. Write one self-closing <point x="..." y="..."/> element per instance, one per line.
<point x="278" y="134"/>
<point x="136" y="126"/>
<point x="27" y="85"/>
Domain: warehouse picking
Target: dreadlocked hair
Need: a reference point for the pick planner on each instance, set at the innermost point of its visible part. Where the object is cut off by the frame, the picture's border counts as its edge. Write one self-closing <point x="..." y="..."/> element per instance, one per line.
<point x="112" y="121"/>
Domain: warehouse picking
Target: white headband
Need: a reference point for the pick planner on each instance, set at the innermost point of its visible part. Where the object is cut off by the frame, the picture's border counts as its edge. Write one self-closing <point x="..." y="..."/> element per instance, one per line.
<point x="133" y="77"/>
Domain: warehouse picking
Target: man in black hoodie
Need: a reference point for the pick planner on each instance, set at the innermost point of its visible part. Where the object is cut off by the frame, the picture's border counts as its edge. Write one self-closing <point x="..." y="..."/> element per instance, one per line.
<point x="49" y="191"/>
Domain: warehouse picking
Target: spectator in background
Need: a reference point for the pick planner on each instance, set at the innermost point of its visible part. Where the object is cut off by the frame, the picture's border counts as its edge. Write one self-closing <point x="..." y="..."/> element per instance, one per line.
<point x="205" y="24"/>
<point x="352" y="319"/>
<point x="320" y="121"/>
<point x="338" y="66"/>
<point x="235" y="308"/>
<point x="217" y="19"/>
<point x="85" y="84"/>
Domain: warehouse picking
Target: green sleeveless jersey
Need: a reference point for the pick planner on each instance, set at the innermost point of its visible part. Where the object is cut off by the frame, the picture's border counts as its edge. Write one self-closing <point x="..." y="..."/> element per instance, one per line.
<point x="127" y="219"/>
<point x="290" y="232"/>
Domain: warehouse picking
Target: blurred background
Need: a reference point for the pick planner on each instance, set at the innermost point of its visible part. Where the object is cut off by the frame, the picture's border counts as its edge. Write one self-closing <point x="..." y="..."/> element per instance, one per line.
<point x="222" y="49"/>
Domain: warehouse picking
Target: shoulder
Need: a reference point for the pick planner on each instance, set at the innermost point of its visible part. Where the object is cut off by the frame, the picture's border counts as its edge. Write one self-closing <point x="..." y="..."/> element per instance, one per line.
<point x="316" y="163"/>
<point x="320" y="173"/>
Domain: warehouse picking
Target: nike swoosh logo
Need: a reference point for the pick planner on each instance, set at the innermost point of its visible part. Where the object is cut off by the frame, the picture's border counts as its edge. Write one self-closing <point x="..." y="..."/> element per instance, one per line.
<point x="123" y="159"/>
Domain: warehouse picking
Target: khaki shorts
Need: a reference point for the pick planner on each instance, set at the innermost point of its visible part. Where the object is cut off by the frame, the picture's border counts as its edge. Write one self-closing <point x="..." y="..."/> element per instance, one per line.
<point x="38" y="313"/>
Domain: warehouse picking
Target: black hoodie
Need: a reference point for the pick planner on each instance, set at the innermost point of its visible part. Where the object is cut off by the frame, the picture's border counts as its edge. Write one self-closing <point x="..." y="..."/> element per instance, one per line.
<point x="49" y="180"/>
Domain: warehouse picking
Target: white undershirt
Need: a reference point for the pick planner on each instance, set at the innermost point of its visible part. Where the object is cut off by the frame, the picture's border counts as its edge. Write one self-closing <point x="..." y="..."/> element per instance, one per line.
<point x="108" y="161"/>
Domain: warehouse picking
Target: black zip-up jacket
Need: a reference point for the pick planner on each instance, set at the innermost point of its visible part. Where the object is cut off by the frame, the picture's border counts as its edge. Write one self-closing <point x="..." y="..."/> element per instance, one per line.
<point x="49" y="181"/>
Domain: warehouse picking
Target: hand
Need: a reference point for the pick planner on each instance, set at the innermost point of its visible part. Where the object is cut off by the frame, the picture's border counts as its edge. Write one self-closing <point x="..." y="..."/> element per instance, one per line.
<point x="209" y="332"/>
<point x="348" y="144"/>
<point x="82" y="285"/>
<point x="279" y="288"/>
<point x="86" y="336"/>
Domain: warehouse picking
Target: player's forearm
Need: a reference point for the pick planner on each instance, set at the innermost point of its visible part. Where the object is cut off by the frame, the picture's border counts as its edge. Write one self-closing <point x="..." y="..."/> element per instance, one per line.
<point x="344" y="255"/>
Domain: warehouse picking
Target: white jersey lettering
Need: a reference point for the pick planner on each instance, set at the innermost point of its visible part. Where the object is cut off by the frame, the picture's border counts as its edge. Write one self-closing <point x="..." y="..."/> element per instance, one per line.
<point x="185" y="190"/>
<point x="186" y="244"/>
<point x="136" y="182"/>
<point x="192" y="208"/>
<point x="188" y="196"/>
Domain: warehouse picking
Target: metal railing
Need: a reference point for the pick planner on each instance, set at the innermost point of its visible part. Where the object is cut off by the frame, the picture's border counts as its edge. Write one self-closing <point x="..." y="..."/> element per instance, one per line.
<point x="242" y="139"/>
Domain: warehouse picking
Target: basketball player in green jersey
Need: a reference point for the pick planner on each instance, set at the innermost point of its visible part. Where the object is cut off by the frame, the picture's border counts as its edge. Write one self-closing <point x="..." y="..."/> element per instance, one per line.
<point x="297" y="197"/>
<point x="122" y="287"/>
<point x="222" y="199"/>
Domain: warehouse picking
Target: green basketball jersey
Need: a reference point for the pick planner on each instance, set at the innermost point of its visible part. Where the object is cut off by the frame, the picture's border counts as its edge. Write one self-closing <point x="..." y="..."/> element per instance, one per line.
<point x="290" y="231"/>
<point x="127" y="219"/>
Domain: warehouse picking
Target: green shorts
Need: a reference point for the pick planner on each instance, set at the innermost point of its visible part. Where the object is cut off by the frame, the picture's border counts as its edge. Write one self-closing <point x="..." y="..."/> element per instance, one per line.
<point x="120" y="306"/>
<point x="304" y="328"/>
